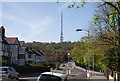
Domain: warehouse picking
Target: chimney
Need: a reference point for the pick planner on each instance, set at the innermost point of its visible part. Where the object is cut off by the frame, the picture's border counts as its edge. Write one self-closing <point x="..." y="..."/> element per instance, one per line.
<point x="2" y="32"/>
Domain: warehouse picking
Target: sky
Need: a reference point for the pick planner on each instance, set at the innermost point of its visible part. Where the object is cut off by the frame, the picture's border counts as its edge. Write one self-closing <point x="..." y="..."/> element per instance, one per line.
<point x="41" y="21"/>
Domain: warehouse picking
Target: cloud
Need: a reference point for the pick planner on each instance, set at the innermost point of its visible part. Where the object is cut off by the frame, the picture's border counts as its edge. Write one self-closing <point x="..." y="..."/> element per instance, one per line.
<point x="39" y="27"/>
<point x="35" y="28"/>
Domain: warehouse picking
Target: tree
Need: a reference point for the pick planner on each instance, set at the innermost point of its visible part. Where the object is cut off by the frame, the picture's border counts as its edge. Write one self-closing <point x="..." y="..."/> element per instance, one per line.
<point x="79" y="52"/>
<point x="109" y="29"/>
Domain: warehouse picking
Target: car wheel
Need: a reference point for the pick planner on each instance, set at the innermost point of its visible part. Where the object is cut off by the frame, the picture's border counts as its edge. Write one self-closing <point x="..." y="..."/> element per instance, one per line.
<point x="17" y="78"/>
<point x="9" y="76"/>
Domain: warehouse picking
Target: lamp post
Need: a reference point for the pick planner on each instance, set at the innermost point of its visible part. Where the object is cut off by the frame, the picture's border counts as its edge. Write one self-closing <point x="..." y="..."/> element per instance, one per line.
<point x="68" y="61"/>
<point x="88" y="74"/>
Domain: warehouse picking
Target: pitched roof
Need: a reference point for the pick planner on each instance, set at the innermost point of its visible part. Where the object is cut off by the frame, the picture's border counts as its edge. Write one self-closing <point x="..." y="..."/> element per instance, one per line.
<point x="11" y="40"/>
<point x="36" y="52"/>
<point x="5" y="42"/>
<point x="41" y="52"/>
<point x="29" y="50"/>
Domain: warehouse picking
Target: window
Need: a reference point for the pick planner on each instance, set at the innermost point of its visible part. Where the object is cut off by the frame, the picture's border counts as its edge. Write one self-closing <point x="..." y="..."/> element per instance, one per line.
<point x="3" y="69"/>
<point x="11" y="69"/>
<point x="0" y="46"/>
<point x="29" y="56"/>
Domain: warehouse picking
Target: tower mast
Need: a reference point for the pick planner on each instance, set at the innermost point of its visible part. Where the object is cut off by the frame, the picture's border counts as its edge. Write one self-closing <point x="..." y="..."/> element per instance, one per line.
<point x="61" y="37"/>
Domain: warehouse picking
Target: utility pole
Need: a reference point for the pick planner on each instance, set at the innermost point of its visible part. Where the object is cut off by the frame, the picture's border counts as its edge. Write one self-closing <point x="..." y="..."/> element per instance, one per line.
<point x="88" y="68"/>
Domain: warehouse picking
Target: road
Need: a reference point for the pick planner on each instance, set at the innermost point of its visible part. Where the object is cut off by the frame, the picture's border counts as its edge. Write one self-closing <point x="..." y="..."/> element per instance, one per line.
<point x="79" y="73"/>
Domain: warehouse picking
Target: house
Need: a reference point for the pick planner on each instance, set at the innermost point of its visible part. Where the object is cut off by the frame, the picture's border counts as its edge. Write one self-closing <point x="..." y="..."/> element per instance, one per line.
<point x="22" y="53"/>
<point x="30" y="55"/>
<point x="4" y="46"/>
<point x="38" y="55"/>
<point x="33" y="56"/>
<point x="10" y="48"/>
<point x="2" y="42"/>
<point x="14" y="48"/>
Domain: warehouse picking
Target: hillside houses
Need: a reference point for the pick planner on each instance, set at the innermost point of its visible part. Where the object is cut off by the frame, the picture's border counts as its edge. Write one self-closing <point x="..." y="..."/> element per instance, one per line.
<point x="33" y="56"/>
<point x="17" y="52"/>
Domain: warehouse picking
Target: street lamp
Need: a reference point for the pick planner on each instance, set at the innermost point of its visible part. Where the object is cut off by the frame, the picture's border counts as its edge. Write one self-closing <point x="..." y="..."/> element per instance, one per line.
<point x="88" y="74"/>
<point x="68" y="62"/>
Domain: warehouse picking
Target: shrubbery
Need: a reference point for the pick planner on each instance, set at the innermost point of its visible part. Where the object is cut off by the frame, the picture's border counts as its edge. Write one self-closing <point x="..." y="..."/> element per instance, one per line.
<point x="27" y="69"/>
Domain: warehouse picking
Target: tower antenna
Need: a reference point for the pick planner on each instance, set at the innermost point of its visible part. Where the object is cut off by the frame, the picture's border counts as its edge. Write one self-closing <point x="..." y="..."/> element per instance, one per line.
<point x="61" y="37"/>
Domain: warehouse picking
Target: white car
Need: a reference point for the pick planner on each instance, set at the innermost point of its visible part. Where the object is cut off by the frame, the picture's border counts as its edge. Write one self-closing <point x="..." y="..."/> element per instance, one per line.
<point x="8" y="73"/>
<point x="51" y="76"/>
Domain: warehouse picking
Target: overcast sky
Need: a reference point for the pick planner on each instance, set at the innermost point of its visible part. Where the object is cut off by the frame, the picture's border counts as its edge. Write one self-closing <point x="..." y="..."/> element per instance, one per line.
<point x="40" y="21"/>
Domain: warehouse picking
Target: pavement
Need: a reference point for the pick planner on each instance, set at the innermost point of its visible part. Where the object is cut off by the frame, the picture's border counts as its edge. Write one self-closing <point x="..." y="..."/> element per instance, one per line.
<point x="98" y="77"/>
<point x="81" y="73"/>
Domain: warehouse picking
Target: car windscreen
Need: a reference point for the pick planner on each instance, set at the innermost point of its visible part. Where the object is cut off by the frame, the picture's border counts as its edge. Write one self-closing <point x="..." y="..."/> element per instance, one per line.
<point x="3" y="69"/>
<point x="46" y="77"/>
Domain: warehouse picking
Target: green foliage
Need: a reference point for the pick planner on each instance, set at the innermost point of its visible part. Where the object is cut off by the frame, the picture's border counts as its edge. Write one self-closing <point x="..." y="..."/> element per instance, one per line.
<point x="77" y="7"/>
<point x="96" y="18"/>
<point x="102" y="54"/>
<point x="107" y="36"/>
<point x="61" y="47"/>
<point x="3" y="61"/>
<point x="57" y="1"/>
<point x="30" y="69"/>
<point x="79" y="52"/>
<point x="69" y="6"/>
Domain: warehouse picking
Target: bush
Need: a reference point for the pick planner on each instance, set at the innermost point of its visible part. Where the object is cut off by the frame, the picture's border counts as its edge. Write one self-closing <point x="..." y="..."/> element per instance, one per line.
<point x="3" y="62"/>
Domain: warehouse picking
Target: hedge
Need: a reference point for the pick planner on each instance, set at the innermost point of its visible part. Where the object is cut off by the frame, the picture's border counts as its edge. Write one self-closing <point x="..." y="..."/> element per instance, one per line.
<point x="31" y="69"/>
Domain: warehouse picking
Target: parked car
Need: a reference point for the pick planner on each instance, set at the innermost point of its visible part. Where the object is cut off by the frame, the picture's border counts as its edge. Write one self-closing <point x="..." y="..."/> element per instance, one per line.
<point x="8" y="73"/>
<point x="51" y="76"/>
